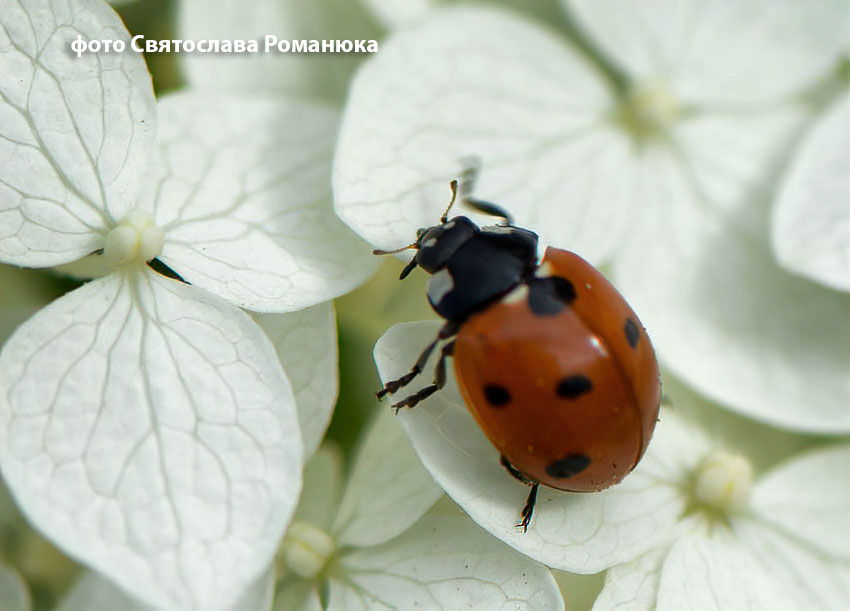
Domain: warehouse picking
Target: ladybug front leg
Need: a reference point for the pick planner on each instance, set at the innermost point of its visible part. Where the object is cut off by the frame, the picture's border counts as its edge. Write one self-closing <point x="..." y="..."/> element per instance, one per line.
<point x="439" y="380"/>
<point x="531" y="501"/>
<point x="448" y="330"/>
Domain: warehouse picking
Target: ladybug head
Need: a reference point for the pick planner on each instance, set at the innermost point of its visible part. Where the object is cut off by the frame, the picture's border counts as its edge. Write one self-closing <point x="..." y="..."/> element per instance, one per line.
<point x="436" y="245"/>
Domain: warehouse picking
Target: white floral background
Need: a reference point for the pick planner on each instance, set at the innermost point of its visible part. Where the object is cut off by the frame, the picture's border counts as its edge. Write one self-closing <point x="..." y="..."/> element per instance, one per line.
<point x="216" y="444"/>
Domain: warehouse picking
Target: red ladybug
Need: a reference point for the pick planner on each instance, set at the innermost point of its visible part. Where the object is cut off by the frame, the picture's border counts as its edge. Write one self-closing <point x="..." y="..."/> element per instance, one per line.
<point x="552" y="362"/>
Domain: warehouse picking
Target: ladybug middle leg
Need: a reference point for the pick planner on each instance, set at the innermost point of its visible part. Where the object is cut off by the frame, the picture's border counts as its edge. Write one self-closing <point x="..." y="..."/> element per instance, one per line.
<point x="448" y="330"/>
<point x="531" y="501"/>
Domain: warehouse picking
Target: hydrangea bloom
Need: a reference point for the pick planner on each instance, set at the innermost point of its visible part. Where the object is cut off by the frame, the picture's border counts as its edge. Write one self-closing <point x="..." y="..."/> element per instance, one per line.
<point x="661" y="161"/>
<point x="375" y="542"/>
<point x="680" y="531"/>
<point x="146" y="425"/>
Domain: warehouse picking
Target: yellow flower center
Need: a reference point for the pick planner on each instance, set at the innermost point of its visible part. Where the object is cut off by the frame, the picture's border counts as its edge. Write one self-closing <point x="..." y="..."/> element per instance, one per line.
<point x="724" y="481"/>
<point x="135" y="239"/>
<point x="306" y="549"/>
<point x="649" y="110"/>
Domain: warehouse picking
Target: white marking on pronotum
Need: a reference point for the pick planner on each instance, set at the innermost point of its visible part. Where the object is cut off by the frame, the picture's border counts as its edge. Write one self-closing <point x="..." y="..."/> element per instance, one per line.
<point x="430" y="242"/>
<point x="519" y="294"/>
<point x="439" y="284"/>
<point x="544" y="270"/>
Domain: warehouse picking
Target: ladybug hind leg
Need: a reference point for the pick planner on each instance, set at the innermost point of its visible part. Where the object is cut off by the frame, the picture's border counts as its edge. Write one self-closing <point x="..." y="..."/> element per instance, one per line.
<point x="439" y="380"/>
<point x="531" y="501"/>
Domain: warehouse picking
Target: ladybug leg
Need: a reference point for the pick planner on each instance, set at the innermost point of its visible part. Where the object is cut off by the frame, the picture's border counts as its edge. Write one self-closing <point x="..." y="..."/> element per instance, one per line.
<point x="468" y="178"/>
<point x="490" y="209"/>
<point x="439" y="380"/>
<point x="531" y="501"/>
<point x="449" y="329"/>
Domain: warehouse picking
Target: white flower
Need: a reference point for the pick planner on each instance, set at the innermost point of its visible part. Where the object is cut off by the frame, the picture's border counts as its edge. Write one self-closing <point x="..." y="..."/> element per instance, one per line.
<point x="661" y="161"/>
<point x="690" y="528"/>
<point x="146" y="425"/>
<point x="375" y="542"/>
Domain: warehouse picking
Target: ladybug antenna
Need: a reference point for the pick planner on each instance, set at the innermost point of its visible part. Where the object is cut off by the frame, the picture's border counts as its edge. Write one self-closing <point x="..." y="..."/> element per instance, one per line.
<point x="392" y="252"/>
<point x="411" y="265"/>
<point x="444" y="219"/>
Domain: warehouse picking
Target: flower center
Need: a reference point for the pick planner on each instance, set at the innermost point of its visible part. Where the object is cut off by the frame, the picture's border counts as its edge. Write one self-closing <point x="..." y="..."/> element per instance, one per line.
<point x="724" y="481"/>
<point x="649" y="109"/>
<point x="306" y="549"/>
<point x="135" y="239"/>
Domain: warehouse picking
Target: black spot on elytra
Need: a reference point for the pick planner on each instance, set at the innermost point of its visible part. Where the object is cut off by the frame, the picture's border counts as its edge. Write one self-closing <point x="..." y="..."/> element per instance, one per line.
<point x="549" y="295"/>
<point x="632" y="333"/>
<point x="573" y="387"/>
<point x="569" y="465"/>
<point x="497" y="396"/>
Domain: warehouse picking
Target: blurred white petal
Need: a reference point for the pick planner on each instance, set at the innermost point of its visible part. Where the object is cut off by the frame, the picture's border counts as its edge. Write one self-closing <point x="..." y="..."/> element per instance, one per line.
<point x="14" y="595"/>
<point x="720" y="53"/>
<point x="725" y="318"/>
<point x="811" y="221"/>
<point x="323" y="75"/>
<point x="816" y="484"/>
<point x="322" y="488"/>
<point x="734" y="160"/>
<point x="94" y="592"/>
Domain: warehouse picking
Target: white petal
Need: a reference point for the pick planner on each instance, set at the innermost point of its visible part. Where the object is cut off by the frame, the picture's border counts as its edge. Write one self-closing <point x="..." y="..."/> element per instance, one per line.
<point x="711" y="570"/>
<point x="388" y="489"/>
<point x="811" y="220"/>
<point x="306" y="344"/>
<point x="632" y="585"/>
<point x="242" y="191"/>
<point x="13" y="591"/>
<point x="718" y="52"/>
<point x="731" y="158"/>
<point x="396" y="13"/>
<point x="75" y="133"/>
<point x="749" y="567"/>
<point x="808" y="499"/>
<point x="443" y="562"/>
<point x="725" y="318"/>
<point x="297" y="595"/>
<point x="322" y="487"/>
<point x="515" y="96"/>
<point x="148" y="429"/>
<point x="804" y="577"/>
<point x="94" y="592"/>
<point x="324" y="75"/>
<point x="582" y="533"/>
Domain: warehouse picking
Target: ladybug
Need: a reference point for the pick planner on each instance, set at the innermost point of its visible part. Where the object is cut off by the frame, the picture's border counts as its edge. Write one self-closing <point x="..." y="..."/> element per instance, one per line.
<point x="551" y="361"/>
